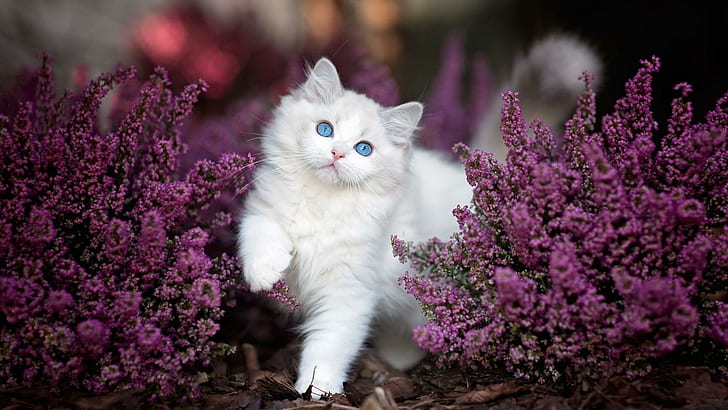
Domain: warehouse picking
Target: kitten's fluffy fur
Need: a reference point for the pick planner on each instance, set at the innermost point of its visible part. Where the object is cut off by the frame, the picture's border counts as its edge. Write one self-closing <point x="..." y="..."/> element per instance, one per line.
<point x="321" y="215"/>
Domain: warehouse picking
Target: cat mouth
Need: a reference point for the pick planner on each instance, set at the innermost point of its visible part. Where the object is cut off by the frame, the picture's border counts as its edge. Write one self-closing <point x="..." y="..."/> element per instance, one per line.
<point x="333" y="171"/>
<point x="329" y="170"/>
<point x="332" y="167"/>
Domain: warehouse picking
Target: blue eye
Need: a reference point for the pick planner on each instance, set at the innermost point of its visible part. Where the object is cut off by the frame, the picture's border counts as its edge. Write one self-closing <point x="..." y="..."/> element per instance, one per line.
<point x="324" y="129"/>
<point x="363" y="149"/>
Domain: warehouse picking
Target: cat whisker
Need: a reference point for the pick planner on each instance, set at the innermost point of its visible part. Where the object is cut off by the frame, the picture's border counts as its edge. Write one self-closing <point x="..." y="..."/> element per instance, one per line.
<point x="273" y="170"/>
<point x="257" y="134"/>
<point x="253" y="137"/>
<point x="287" y="155"/>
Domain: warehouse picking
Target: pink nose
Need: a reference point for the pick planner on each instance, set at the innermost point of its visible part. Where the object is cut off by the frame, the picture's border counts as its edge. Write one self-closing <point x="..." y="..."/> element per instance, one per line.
<point x="337" y="154"/>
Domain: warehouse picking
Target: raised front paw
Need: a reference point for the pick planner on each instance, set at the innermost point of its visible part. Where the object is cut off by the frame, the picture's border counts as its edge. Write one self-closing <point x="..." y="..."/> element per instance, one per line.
<point x="265" y="269"/>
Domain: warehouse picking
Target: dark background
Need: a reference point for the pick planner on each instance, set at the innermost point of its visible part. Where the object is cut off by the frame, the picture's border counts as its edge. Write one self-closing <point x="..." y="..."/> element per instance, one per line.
<point x="689" y="37"/>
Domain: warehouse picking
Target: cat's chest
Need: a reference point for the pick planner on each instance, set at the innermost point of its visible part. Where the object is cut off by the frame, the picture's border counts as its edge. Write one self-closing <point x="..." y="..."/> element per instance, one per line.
<point x="330" y="218"/>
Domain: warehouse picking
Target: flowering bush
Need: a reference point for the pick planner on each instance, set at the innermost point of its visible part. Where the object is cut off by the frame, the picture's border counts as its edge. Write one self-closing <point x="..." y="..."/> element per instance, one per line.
<point x="600" y="255"/>
<point x="447" y="120"/>
<point x="105" y="282"/>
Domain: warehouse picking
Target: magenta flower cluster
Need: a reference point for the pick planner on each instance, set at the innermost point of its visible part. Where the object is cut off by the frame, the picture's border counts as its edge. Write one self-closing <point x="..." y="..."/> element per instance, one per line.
<point x="106" y="283"/>
<point x="598" y="255"/>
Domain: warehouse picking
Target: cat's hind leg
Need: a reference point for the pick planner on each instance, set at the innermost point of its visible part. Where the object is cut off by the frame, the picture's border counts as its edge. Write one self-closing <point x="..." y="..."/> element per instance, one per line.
<point x="393" y="339"/>
<point x="398" y="349"/>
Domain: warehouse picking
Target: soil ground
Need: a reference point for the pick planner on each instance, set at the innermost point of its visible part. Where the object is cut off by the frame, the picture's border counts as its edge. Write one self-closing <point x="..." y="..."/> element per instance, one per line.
<point x="376" y="386"/>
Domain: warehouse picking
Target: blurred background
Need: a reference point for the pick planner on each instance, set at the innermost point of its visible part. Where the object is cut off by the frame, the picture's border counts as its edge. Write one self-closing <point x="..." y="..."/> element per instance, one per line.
<point x="236" y="44"/>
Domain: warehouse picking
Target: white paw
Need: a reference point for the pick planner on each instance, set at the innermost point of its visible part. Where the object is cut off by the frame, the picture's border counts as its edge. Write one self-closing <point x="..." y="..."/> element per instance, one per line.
<point x="265" y="269"/>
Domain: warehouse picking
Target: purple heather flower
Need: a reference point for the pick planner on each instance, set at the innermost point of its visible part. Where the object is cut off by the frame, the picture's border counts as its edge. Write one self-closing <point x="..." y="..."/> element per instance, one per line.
<point x="149" y="336"/>
<point x="93" y="336"/>
<point x="206" y="293"/>
<point x="39" y="229"/>
<point x="585" y="258"/>
<point x="104" y="241"/>
<point x="282" y="293"/>
<point x="516" y="295"/>
<point x="370" y="78"/>
<point x="447" y="120"/>
<point x="59" y="300"/>
<point x="21" y="298"/>
<point x="717" y="328"/>
<point x="127" y="304"/>
<point x="92" y="331"/>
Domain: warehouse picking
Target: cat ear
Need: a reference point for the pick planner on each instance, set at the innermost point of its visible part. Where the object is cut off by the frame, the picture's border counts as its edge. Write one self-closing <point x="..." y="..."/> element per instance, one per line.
<point x="323" y="84"/>
<point x="401" y="121"/>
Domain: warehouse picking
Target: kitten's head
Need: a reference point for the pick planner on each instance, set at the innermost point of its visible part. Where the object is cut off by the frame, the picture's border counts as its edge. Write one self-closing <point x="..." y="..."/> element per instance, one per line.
<point x="341" y="137"/>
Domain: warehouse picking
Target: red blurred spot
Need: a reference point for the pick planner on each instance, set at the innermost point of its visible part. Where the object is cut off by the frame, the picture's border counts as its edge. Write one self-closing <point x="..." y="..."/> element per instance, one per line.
<point x="217" y="67"/>
<point x="162" y="37"/>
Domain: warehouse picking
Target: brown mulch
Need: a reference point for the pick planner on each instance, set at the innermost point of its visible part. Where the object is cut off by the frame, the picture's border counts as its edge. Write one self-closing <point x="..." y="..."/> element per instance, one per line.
<point x="376" y="386"/>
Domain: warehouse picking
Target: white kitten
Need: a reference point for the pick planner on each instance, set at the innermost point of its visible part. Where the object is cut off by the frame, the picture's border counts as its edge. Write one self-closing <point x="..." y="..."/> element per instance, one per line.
<point x="340" y="177"/>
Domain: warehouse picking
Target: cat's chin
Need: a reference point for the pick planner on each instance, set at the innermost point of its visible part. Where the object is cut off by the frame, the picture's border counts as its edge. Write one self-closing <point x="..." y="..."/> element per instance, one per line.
<point x="332" y="175"/>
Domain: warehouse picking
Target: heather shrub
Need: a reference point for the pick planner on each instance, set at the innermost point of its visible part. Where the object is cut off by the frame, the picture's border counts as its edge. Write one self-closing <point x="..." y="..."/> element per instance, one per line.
<point x="447" y="118"/>
<point x="106" y="282"/>
<point x="604" y="253"/>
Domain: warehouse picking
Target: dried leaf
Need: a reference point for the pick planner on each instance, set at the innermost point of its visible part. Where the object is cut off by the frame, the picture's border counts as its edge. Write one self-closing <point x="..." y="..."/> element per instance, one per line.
<point x="123" y="399"/>
<point x="490" y="393"/>
<point x="400" y="387"/>
<point x="277" y="387"/>
<point x="372" y="367"/>
<point x="340" y="400"/>
<point x="699" y="385"/>
<point x="379" y="400"/>
<point x="355" y="393"/>
<point x="236" y="400"/>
